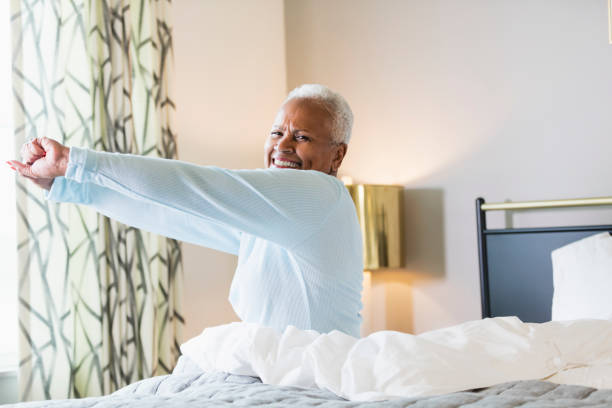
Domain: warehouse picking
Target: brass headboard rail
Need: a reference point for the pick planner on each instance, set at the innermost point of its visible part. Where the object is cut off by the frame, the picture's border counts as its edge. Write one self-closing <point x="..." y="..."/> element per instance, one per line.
<point x="526" y="205"/>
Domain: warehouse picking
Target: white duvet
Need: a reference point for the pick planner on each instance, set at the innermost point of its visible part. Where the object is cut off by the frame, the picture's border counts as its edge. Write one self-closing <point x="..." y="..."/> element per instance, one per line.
<point x="390" y="364"/>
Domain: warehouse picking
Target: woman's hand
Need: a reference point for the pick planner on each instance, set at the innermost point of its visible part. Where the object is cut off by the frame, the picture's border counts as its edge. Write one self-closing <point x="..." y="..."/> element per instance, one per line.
<point x="43" y="160"/>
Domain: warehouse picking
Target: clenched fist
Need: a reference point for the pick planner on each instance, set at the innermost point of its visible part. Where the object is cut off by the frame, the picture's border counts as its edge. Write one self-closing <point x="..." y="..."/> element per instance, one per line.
<point x="43" y="160"/>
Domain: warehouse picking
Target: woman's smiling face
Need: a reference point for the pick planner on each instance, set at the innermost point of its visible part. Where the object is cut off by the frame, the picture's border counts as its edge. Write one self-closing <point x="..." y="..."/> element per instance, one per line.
<point x="301" y="138"/>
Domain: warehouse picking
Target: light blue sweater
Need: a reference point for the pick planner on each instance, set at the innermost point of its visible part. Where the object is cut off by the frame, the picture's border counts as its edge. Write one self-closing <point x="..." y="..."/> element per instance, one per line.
<point x="295" y="232"/>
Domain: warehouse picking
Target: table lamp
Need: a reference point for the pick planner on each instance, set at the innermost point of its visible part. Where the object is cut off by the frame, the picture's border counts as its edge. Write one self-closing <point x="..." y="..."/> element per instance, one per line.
<point x="379" y="210"/>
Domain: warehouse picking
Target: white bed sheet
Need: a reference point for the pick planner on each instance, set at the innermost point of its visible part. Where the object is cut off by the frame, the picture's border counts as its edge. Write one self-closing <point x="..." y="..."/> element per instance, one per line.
<point x="390" y="364"/>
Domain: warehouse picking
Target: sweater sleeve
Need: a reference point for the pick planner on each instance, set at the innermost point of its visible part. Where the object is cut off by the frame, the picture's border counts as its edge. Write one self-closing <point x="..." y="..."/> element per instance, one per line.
<point x="283" y="206"/>
<point x="145" y="215"/>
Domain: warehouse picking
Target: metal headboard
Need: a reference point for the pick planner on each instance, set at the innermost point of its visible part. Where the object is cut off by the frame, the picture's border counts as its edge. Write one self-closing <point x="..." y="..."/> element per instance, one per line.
<point x="515" y="265"/>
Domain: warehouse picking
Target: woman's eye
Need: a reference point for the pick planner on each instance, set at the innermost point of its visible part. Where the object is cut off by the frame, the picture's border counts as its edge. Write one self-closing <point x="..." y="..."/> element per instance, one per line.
<point x="276" y="134"/>
<point x="302" y="138"/>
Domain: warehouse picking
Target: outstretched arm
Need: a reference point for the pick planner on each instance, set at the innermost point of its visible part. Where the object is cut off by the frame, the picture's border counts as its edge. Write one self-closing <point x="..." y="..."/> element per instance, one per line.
<point x="45" y="162"/>
<point x="283" y="206"/>
<point x="146" y="216"/>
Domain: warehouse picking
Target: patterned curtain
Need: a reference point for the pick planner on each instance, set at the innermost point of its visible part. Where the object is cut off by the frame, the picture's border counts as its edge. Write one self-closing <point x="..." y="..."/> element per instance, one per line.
<point x="98" y="301"/>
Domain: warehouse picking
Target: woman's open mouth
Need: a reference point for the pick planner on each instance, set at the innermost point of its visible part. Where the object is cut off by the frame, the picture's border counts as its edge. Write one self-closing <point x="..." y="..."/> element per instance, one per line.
<point x="285" y="164"/>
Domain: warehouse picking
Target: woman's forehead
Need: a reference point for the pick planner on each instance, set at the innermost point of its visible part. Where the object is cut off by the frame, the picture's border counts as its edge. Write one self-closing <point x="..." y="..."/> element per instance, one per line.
<point x="304" y="114"/>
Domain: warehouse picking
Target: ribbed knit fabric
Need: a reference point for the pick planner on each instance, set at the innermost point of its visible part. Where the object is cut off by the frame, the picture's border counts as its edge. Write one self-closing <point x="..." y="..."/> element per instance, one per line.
<point x="295" y="232"/>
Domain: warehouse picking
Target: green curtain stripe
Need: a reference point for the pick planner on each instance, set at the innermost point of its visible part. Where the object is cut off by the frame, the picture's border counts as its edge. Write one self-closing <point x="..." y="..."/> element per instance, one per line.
<point x="99" y="302"/>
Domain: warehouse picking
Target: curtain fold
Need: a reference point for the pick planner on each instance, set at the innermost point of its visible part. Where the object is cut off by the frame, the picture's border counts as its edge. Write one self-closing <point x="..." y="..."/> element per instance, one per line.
<point x="99" y="302"/>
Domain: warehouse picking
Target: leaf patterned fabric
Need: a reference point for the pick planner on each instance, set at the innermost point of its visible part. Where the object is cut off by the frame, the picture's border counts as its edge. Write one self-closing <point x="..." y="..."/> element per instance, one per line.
<point x="99" y="302"/>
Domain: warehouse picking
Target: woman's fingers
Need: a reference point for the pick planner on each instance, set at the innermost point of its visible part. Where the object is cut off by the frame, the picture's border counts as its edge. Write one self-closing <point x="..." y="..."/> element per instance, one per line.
<point x="23" y="169"/>
<point x="32" y="147"/>
<point x="31" y="158"/>
<point x="32" y="151"/>
<point x="42" y="158"/>
<point x="47" y="144"/>
<point x="36" y="147"/>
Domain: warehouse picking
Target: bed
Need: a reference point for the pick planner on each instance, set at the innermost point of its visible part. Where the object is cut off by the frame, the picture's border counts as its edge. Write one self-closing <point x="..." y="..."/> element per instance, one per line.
<point x="516" y="280"/>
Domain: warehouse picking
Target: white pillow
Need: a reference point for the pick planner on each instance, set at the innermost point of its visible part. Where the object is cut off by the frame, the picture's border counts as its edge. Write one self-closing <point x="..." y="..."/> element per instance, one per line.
<point x="582" y="279"/>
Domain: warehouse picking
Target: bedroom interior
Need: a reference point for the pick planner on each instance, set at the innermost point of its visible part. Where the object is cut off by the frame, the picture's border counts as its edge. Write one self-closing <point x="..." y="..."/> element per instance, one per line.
<point x="505" y="100"/>
<point x="520" y="113"/>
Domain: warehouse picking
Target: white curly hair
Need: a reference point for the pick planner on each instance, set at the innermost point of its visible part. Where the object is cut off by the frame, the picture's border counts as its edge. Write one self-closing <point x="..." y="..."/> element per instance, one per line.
<point x="334" y="103"/>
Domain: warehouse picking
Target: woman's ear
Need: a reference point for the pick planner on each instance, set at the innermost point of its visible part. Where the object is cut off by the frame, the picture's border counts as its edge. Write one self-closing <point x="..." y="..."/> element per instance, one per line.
<point x="338" y="157"/>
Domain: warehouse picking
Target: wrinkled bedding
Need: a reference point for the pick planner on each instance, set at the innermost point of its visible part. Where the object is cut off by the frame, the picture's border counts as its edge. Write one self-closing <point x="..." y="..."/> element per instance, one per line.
<point x="222" y="389"/>
<point x="387" y="365"/>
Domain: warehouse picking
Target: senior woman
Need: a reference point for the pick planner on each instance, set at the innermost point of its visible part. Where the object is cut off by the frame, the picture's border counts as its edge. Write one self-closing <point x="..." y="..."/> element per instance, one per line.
<point x="293" y="224"/>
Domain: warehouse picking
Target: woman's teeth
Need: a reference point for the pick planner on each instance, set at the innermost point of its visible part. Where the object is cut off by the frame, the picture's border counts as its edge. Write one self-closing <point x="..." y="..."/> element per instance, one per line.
<point x="283" y="163"/>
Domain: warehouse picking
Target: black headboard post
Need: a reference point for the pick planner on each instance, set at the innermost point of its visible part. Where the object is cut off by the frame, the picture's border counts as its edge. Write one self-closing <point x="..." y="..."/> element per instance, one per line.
<point x="481" y="223"/>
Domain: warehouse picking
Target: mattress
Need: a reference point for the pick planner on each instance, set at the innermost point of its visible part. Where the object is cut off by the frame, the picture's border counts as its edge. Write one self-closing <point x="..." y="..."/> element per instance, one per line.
<point x="223" y="389"/>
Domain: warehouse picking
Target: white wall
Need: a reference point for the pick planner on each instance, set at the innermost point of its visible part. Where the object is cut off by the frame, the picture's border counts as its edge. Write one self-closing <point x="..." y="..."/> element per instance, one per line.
<point x="454" y="100"/>
<point x="230" y="80"/>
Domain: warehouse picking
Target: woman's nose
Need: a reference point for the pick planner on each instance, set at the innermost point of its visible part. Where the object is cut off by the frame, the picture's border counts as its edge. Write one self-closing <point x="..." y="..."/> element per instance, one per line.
<point x="285" y="144"/>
